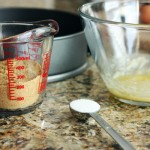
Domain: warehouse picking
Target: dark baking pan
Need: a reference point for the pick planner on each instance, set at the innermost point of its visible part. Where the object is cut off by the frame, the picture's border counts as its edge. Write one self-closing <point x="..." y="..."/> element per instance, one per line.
<point x="69" y="54"/>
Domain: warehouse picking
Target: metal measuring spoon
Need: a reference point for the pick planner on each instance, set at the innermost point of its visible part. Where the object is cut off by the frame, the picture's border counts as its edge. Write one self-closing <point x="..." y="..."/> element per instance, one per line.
<point x="84" y="108"/>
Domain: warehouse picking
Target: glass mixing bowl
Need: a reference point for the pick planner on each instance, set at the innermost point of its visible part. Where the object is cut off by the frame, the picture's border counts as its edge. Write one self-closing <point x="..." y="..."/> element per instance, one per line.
<point x="118" y="38"/>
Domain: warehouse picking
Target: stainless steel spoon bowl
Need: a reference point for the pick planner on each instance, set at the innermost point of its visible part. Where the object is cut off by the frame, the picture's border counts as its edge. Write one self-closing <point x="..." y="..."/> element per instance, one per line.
<point x="84" y="108"/>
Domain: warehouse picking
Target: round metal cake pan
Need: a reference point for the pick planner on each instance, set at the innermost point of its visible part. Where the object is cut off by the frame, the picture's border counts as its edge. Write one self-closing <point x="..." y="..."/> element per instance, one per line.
<point x="69" y="54"/>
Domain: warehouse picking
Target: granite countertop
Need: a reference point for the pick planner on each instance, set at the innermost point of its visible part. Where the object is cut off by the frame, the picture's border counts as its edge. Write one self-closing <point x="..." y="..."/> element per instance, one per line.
<point x="52" y="126"/>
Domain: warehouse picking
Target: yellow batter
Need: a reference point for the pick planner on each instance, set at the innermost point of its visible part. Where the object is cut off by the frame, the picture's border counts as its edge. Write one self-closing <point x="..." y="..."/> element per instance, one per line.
<point x="131" y="87"/>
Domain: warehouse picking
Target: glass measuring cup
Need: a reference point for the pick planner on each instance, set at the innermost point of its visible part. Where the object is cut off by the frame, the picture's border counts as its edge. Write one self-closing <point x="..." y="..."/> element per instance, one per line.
<point x="25" y="50"/>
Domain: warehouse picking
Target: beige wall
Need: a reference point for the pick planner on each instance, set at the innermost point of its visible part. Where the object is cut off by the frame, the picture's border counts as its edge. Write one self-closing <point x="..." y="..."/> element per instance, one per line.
<point x="67" y="5"/>
<point x="27" y="3"/>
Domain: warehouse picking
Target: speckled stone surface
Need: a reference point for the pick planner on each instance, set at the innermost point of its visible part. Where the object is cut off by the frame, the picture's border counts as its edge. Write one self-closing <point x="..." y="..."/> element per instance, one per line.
<point x="52" y="126"/>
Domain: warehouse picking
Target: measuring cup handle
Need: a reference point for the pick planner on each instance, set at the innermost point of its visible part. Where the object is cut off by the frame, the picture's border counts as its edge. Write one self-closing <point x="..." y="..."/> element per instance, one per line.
<point x="48" y="22"/>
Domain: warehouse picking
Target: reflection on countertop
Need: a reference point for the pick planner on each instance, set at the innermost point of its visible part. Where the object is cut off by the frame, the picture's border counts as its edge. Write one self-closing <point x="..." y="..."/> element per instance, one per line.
<point x="52" y="126"/>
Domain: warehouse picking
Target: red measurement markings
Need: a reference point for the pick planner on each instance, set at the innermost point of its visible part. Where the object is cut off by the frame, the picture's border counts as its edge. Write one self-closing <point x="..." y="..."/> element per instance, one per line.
<point x="7" y="53"/>
<point x="11" y="79"/>
<point x="34" y="46"/>
<point x="23" y="52"/>
<point x="37" y="44"/>
<point x="20" y="87"/>
<point x="20" y="76"/>
<point x="23" y="58"/>
<point x="20" y="67"/>
<point x="45" y="68"/>
<point x="35" y="56"/>
<point x="20" y="98"/>
<point x="12" y="87"/>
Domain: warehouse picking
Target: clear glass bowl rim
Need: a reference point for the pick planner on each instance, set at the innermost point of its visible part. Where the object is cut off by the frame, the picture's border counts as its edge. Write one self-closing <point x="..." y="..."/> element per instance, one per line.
<point x="98" y="20"/>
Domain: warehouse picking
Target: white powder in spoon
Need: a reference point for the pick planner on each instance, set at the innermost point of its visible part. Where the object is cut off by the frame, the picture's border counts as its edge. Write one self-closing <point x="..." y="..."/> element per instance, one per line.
<point x="85" y="106"/>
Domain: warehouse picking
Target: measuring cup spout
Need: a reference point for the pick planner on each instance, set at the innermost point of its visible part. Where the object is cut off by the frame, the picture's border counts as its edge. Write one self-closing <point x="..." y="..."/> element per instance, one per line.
<point x="48" y="23"/>
<point x="30" y="31"/>
<point x="43" y="29"/>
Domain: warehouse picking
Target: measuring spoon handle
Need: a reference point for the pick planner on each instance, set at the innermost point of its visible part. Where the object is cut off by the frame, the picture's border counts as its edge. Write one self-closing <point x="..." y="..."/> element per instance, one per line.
<point x="116" y="136"/>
